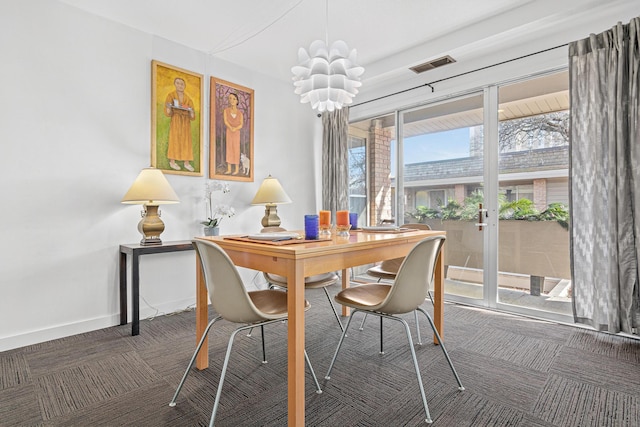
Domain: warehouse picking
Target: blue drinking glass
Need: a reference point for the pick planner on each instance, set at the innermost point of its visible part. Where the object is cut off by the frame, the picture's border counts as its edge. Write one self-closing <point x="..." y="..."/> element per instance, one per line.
<point x="353" y="220"/>
<point x="311" y="227"/>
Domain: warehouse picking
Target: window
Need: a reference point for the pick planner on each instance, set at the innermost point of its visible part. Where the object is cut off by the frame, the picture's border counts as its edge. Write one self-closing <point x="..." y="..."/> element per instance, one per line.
<point x="430" y="199"/>
<point x="357" y="175"/>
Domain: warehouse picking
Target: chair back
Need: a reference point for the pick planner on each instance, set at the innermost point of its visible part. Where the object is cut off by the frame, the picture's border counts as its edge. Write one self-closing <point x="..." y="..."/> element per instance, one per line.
<point x="416" y="226"/>
<point x="414" y="277"/>
<point x="391" y="266"/>
<point x="228" y="295"/>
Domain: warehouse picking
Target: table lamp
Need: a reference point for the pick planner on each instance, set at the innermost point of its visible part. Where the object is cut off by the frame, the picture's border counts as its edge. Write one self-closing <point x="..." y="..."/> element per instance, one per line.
<point x="270" y="194"/>
<point x="150" y="189"/>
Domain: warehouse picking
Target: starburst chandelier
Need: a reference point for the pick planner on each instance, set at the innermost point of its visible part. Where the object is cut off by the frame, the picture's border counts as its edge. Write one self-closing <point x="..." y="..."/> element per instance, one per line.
<point x="327" y="77"/>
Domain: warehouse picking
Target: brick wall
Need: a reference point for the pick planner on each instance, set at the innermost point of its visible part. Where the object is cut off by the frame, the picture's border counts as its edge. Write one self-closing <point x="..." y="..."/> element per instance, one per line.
<point x="540" y="194"/>
<point x="460" y="192"/>
<point x="380" y="171"/>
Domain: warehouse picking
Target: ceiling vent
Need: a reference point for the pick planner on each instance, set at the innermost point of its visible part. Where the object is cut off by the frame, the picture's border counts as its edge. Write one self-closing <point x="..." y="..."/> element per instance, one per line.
<point x="432" y="64"/>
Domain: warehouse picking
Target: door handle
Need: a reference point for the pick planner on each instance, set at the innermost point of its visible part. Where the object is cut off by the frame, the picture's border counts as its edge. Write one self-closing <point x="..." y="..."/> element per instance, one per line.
<point x="481" y="222"/>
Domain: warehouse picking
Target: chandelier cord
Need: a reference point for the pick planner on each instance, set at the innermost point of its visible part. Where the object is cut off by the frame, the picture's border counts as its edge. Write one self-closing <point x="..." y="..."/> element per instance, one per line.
<point x="214" y="52"/>
<point x="326" y="27"/>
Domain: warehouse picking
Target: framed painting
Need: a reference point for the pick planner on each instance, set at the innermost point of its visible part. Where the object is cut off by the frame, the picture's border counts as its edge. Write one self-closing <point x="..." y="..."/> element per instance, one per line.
<point x="231" y="131"/>
<point x="176" y="120"/>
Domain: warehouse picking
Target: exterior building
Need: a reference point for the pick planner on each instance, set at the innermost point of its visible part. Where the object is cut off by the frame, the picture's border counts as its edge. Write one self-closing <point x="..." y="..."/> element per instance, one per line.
<point x="533" y="164"/>
<point x="540" y="175"/>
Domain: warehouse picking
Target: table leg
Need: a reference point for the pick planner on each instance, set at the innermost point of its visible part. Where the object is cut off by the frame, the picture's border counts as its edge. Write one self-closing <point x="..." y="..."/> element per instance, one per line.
<point x="202" y="316"/>
<point x="123" y="288"/>
<point x="295" y="307"/>
<point x="135" y="294"/>
<point x="438" y="297"/>
<point x="345" y="284"/>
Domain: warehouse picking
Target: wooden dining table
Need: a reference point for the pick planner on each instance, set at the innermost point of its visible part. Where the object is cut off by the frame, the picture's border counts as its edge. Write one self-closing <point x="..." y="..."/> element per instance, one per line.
<point x="297" y="259"/>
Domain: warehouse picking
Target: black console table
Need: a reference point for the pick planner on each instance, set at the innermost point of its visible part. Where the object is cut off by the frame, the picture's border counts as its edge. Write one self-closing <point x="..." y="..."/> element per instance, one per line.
<point x="136" y="250"/>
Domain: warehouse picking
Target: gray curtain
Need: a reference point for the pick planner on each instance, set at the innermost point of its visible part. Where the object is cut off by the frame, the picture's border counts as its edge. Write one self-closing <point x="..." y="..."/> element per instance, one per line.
<point x="335" y="174"/>
<point x="605" y="178"/>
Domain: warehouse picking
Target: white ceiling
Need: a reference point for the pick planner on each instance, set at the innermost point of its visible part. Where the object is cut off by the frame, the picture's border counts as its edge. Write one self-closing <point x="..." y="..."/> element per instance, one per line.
<point x="389" y="35"/>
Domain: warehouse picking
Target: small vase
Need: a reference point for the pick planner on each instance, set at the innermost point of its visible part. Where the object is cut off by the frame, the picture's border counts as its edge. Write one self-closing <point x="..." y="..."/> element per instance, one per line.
<point x="211" y="231"/>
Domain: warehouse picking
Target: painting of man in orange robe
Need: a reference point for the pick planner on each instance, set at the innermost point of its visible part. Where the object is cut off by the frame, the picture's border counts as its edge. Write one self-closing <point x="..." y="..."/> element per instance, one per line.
<point x="179" y="107"/>
<point x="176" y="115"/>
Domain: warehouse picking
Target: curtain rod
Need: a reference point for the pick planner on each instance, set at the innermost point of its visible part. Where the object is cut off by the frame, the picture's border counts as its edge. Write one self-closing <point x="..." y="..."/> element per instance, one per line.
<point x="457" y="75"/>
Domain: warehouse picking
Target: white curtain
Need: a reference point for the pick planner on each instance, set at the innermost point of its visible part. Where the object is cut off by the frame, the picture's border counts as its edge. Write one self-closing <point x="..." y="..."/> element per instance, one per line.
<point x="605" y="178"/>
<point x="335" y="173"/>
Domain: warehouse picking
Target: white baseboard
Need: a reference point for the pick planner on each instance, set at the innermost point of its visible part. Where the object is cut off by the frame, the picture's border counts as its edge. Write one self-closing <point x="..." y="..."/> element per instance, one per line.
<point x="61" y="331"/>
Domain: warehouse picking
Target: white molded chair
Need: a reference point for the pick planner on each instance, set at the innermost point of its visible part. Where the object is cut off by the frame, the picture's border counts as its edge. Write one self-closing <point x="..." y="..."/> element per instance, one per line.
<point x="388" y="269"/>
<point x="406" y="294"/>
<point x="233" y="303"/>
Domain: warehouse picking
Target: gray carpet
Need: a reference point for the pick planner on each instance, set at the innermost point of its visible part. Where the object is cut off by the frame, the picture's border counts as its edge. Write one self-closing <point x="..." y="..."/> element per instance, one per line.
<point x="517" y="372"/>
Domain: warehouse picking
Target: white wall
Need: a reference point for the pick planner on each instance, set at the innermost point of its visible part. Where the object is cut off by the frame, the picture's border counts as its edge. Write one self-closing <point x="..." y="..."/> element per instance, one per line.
<point x="75" y="121"/>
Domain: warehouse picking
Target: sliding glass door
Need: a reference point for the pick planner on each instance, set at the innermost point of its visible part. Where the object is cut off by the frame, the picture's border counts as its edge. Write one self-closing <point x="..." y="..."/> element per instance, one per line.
<point x="533" y="157"/>
<point x="491" y="169"/>
<point x="441" y="183"/>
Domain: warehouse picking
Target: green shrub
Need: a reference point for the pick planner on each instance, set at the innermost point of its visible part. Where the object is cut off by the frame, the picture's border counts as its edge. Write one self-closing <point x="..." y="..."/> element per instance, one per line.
<point x="522" y="210"/>
<point x="556" y="212"/>
<point x="423" y="212"/>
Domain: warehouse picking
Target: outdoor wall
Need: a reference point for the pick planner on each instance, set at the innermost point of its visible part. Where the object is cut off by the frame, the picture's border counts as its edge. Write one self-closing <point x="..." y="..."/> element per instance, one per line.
<point x="536" y="248"/>
<point x="75" y="120"/>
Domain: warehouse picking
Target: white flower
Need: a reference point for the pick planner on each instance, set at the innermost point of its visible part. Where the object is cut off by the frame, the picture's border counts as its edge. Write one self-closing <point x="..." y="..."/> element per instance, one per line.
<point x="225" y="210"/>
<point x="215" y="214"/>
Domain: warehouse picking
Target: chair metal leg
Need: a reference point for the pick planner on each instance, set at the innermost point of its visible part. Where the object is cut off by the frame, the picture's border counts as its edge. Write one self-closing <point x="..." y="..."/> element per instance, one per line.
<point x="193" y="359"/>
<point x="415" y="364"/>
<point x="417" y="322"/>
<point x="224" y="365"/>
<point x="224" y="368"/>
<point x="306" y="358"/>
<point x="381" y="337"/>
<point x="362" y="324"/>
<point x="444" y="350"/>
<point x="313" y="373"/>
<point x="264" y="350"/>
<point x="361" y="328"/>
<point x="223" y="374"/>
<point x="415" y="314"/>
<point x="365" y="315"/>
<point x="335" y="355"/>
<point x="413" y="356"/>
<point x="333" y="307"/>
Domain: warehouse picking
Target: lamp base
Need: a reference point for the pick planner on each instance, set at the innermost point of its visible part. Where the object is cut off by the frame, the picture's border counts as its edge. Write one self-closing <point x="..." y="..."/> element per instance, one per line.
<point x="151" y="241"/>
<point x="150" y="226"/>
<point x="270" y="218"/>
